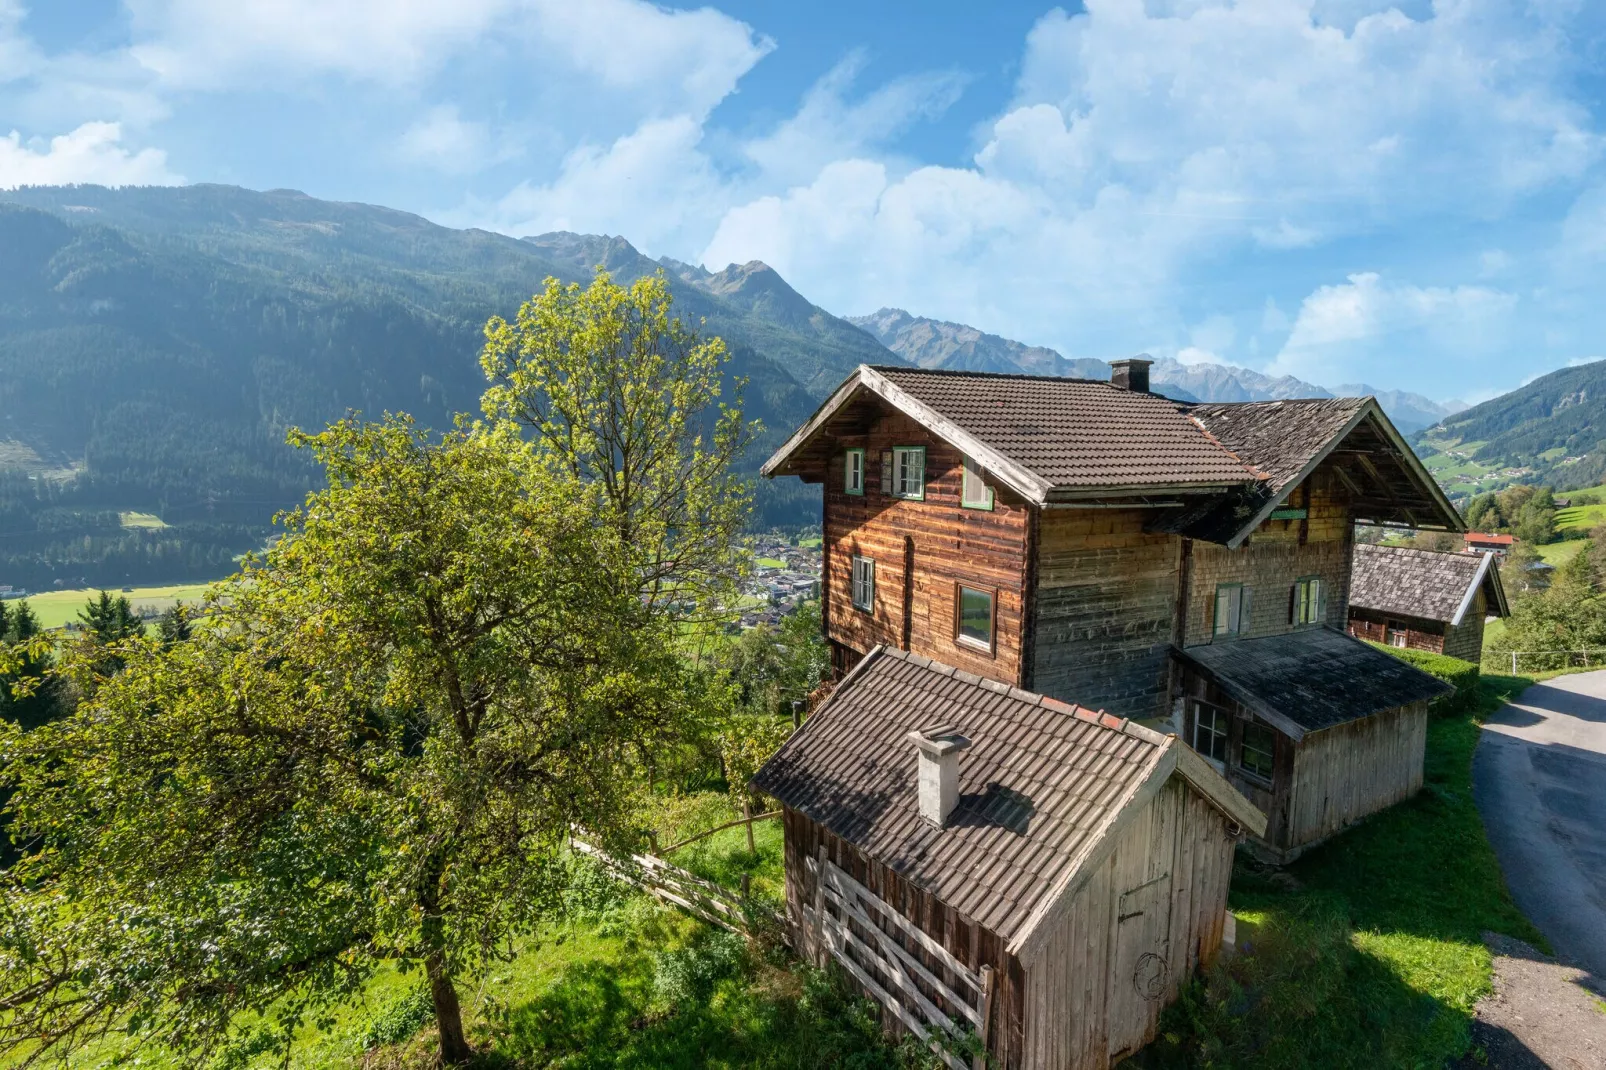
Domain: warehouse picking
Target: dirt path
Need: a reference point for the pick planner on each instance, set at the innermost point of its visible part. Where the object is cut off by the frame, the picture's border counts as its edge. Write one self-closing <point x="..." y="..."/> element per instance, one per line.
<point x="1539" y="1017"/>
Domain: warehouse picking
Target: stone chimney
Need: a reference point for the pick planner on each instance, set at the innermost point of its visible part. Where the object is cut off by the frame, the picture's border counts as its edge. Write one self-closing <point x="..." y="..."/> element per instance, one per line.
<point x="1131" y="374"/>
<point x="938" y="777"/>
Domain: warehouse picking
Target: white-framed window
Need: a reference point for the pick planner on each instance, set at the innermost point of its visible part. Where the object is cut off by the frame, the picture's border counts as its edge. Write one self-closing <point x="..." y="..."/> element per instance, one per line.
<point x="1309" y="601"/>
<point x="973" y="617"/>
<point x="909" y="472"/>
<point x="863" y="592"/>
<point x="853" y="472"/>
<point x="1397" y="634"/>
<point x="974" y="493"/>
<point x="1257" y="750"/>
<point x="1210" y="731"/>
<point x="1232" y="610"/>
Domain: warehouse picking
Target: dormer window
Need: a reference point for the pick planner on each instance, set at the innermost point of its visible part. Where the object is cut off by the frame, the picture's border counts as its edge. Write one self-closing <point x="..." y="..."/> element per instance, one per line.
<point x="974" y="493"/>
<point x="853" y="472"/>
<point x="909" y="472"/>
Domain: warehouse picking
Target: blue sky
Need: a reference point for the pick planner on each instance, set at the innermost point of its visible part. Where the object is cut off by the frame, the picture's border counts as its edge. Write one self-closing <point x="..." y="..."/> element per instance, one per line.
<point x="1408" y="195"/>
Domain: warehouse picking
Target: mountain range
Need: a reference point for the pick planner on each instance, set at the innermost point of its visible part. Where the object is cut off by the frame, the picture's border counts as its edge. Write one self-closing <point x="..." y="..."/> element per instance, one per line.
<point x="156" y="343"/>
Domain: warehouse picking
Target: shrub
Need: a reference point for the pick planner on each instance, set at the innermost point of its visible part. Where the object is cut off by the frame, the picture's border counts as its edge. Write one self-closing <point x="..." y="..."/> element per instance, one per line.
<point x="687" y="975"/>
<point x="1462" y="675"/>
<point x="401" y="1019"/>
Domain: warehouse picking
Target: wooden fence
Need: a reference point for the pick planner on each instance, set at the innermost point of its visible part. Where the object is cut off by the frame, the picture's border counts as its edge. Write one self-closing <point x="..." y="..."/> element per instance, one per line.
<point x="874" y="942"/>
<point x="702" y="899"/>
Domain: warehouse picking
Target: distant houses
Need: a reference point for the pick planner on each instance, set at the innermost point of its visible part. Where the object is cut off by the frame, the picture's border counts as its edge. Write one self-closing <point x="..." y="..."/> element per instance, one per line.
<point x="1485" y="542"/>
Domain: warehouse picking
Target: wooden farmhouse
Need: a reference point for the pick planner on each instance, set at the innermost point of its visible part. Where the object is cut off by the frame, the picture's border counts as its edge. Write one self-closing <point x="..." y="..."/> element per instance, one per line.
<point x="1424" y="600"/>
<point x="983" y="858"/>
<point x="1183" y="565"/>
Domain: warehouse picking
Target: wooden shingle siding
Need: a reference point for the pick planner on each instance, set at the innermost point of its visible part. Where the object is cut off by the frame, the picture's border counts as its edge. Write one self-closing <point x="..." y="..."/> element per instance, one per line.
<point x="951" y="544"/>
<point x="1104" y="605"/>
<point x="1342" y="774"/>
<point x="1465" y="640"/>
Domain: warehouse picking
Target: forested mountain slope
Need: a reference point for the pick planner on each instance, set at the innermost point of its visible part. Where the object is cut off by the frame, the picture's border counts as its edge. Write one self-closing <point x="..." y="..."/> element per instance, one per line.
<point x="159" y="342"/>
<point x="1553" y="430"/>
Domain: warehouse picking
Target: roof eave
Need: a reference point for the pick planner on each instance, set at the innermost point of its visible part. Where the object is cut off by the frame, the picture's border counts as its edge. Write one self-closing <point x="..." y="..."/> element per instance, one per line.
<point x="1472" y="591"/>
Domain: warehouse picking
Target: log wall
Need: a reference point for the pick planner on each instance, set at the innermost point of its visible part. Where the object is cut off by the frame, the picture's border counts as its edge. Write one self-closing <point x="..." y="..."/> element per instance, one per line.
<point x="950" y="545"/>
<point x="1342" y="774"/>
<point x="1419" y="634"/>
<point x="1139" y="927"/>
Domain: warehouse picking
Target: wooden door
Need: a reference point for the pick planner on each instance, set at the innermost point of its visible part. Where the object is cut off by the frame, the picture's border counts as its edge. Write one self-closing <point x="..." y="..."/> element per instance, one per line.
<point x="1143" y="973"/>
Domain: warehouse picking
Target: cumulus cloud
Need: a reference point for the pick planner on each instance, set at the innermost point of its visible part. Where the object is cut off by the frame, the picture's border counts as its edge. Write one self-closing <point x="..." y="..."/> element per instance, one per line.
<point x="442" y="139"/>
<point x="92" y="153"/>
<point x="1366" y="328"/>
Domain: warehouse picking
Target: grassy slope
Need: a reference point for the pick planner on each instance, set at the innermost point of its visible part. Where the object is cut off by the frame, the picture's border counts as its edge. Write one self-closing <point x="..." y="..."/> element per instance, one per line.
<point x="1368" y="951"/>
<point x="56" y="608"/>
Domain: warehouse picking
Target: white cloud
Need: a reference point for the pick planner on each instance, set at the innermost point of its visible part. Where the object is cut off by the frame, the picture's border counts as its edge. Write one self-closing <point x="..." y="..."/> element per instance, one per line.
<point x="1366" y="329"/>
<point x="443" y="140"/>
<point x="92" y="153"/>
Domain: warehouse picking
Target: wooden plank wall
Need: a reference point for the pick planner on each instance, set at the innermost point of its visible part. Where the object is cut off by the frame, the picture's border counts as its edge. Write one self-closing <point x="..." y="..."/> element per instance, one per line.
<point x="1084" y="1009"/>
<point x="1420" y="634"/>
<point x="1104" y="610"/>
<point x="1270" y="799"/>
<point x="971" y="944"/>
<point x="951" y="544"/>
<point x="1344" y="773"/>
<point x="1277" y="554"/>
<point x="1465" y="640"/>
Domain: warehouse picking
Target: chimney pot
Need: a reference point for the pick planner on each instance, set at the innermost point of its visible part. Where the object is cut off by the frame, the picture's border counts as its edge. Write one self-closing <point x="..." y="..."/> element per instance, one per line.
<point x="1131" y="374"/>
<point x="938" y="776"/>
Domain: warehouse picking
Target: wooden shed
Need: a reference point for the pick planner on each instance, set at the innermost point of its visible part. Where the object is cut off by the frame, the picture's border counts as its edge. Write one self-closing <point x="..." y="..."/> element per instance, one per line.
<point x="1425" y="599"/>
<point x="980" y="857"/>
<point x="1316" y="728"/>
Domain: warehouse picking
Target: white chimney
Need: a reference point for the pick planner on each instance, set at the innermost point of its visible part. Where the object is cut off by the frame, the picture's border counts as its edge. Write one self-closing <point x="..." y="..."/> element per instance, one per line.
<point x="938" y="778"/>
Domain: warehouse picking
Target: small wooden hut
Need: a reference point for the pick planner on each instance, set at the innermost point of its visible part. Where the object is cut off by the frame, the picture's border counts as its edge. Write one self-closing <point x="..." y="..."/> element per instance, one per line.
<point x="1424" y="599"/>
<point x="980" y="857"/>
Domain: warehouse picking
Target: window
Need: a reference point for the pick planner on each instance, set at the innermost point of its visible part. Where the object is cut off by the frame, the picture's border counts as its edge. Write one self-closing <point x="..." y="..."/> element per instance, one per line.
<point x="1309" y="601"/>
<point x="1396" y="633"/>
<point x="909" y="472"/>
<point x="1232" y="609"/>
<point x="974" y="614"/>
<point x="974" y="493"/>
<point x="1257" y="750"/>
<point x="1210" y="731"/>
<point x="853" y="472"/>
<point x="864" y="584"/>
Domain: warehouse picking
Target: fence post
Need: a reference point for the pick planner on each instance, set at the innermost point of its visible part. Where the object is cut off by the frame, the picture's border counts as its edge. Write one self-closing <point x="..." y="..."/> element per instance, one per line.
<point x="747" y="812"/>
<point x="1513" y="663"/>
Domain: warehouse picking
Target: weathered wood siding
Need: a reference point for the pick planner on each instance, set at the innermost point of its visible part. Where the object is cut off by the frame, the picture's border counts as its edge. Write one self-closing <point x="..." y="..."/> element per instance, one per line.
<point x="1149" y="916"/>
<point x="1278" y="553"/>
<point x="970" y="943"/>
<point x="1270" y="797"/>
<point x="1103" y="612"/>
<point x="1465" y="640"/>
<point x="950" y="545"/>
<point x="1343" y="774"/>
<point x="1420" y="633"/>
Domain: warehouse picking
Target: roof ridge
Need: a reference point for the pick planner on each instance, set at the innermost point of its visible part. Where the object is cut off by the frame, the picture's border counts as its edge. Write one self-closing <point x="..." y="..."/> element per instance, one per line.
<point x="906" y="369"/>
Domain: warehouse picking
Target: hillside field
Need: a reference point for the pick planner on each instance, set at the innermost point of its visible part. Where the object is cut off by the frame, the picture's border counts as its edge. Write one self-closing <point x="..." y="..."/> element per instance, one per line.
<point x="56" y="608"/>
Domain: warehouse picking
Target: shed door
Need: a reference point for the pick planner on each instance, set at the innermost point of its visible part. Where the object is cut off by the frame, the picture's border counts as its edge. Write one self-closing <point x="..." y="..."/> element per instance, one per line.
<point x="1143" y="973"/>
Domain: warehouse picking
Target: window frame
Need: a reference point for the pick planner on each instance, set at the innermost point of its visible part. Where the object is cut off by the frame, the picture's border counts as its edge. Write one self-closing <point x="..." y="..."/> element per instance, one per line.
<point x="1302" y="601"/>
<point x="1270" y="753"/>
<point x="848" y="473"/>
<point x="970" y="642"/>
<point x="1220" y="729"/>
<point x="854" y="564"/>
<point x="898" y="454"/>
<point x="1403" y="633"/>
<point x="1242" y="604"/>
<point x="971" y="473"/>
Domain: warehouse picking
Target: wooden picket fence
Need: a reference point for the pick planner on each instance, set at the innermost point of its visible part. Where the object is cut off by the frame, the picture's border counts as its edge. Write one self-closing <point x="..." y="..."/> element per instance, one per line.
<point x="872" y="942"/>
<point x="702" y="899"/>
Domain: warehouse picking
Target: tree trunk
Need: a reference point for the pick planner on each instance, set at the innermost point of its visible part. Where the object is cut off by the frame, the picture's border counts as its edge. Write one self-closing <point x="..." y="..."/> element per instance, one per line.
<point x="448" y="1012"/>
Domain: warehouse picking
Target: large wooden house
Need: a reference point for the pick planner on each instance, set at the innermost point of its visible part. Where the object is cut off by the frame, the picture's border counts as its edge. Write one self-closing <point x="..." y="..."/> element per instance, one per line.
<point x="984" y="858"/>
<point x="1183" y="565"/>
<point x="1425" y="600"/>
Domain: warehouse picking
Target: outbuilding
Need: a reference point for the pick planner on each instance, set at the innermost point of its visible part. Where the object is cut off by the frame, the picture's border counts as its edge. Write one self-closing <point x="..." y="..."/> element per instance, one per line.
<point x="983" y="858"/>
<point x="1424" y="599"/>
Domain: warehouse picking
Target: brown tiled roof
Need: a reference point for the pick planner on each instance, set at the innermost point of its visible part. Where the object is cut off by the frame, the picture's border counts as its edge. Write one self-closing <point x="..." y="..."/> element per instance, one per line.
<point x="1421" y="583"/>
<point x="1277" y="438"/>
<point x="1037" y="784"/>
<point x="1075" y="433"/>
<point x="1312" y="679"/>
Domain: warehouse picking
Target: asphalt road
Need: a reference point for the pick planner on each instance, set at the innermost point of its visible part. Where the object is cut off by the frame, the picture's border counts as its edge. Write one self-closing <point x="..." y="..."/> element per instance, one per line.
<point x="1539" y="778"/>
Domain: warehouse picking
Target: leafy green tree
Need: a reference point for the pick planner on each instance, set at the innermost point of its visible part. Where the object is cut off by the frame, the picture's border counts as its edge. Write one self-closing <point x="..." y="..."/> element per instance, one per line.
<point x="374" y="751"/>
<point x="1535" y="521"/>
<point x="619" y="394"/>
<point x="28" y="697"/>
<point x="1568" y="615"/>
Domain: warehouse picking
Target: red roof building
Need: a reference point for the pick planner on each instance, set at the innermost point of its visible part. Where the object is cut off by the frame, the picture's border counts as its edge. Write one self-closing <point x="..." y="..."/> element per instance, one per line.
<point x="1499" y="545"/>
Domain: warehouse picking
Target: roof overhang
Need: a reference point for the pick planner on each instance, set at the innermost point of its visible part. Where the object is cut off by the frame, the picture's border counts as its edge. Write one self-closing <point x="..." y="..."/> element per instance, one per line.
<point x="1488" y="575"/>
<point x="1450" y="519"/>
<point x="866" y="380"/>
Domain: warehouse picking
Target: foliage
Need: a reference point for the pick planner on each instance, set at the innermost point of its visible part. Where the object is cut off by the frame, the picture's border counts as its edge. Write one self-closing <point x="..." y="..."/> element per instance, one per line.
<point x="373" y="750"/>
<point x="1368" y="952"/>
<point x="1568" y="615"/>
<point x="1462" y="675"/>
<point x="620" y="395"/>
<point x="174" y="625"/>
<point x="401" y="1019"/>
<point x="28" y="695"/>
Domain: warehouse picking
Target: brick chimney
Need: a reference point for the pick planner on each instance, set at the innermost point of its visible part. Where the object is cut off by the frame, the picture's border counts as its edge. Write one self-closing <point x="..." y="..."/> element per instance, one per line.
<point x="1131" y="374"/>
<point x="938" y="777"/>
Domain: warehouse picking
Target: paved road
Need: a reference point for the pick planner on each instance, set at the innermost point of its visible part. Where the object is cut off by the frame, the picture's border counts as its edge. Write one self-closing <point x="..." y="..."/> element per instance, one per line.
<point x="1539" y="778"/>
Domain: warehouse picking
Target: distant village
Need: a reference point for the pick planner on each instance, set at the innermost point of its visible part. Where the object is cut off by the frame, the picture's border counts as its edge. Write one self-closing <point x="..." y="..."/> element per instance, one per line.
<point x="786" y="573"/>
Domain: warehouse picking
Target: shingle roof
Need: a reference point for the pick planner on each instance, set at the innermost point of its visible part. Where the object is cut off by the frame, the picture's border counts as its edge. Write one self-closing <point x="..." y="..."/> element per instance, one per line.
<point x="1277" y="438"/>
<point x="1312" y="679"/>
<point x="1421" y="583"/>
<point x="1037" y="783"/>
<point x="1076" y="432"/>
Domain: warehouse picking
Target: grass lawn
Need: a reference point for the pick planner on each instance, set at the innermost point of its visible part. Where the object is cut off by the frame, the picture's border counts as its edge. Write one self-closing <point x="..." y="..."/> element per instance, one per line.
<point x="142" y="520"/>
<point x="1559" y="553"/>
<point x="56" y="608"/>
<point x="1368" y="951"/>
<point x="769" y="562"/>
